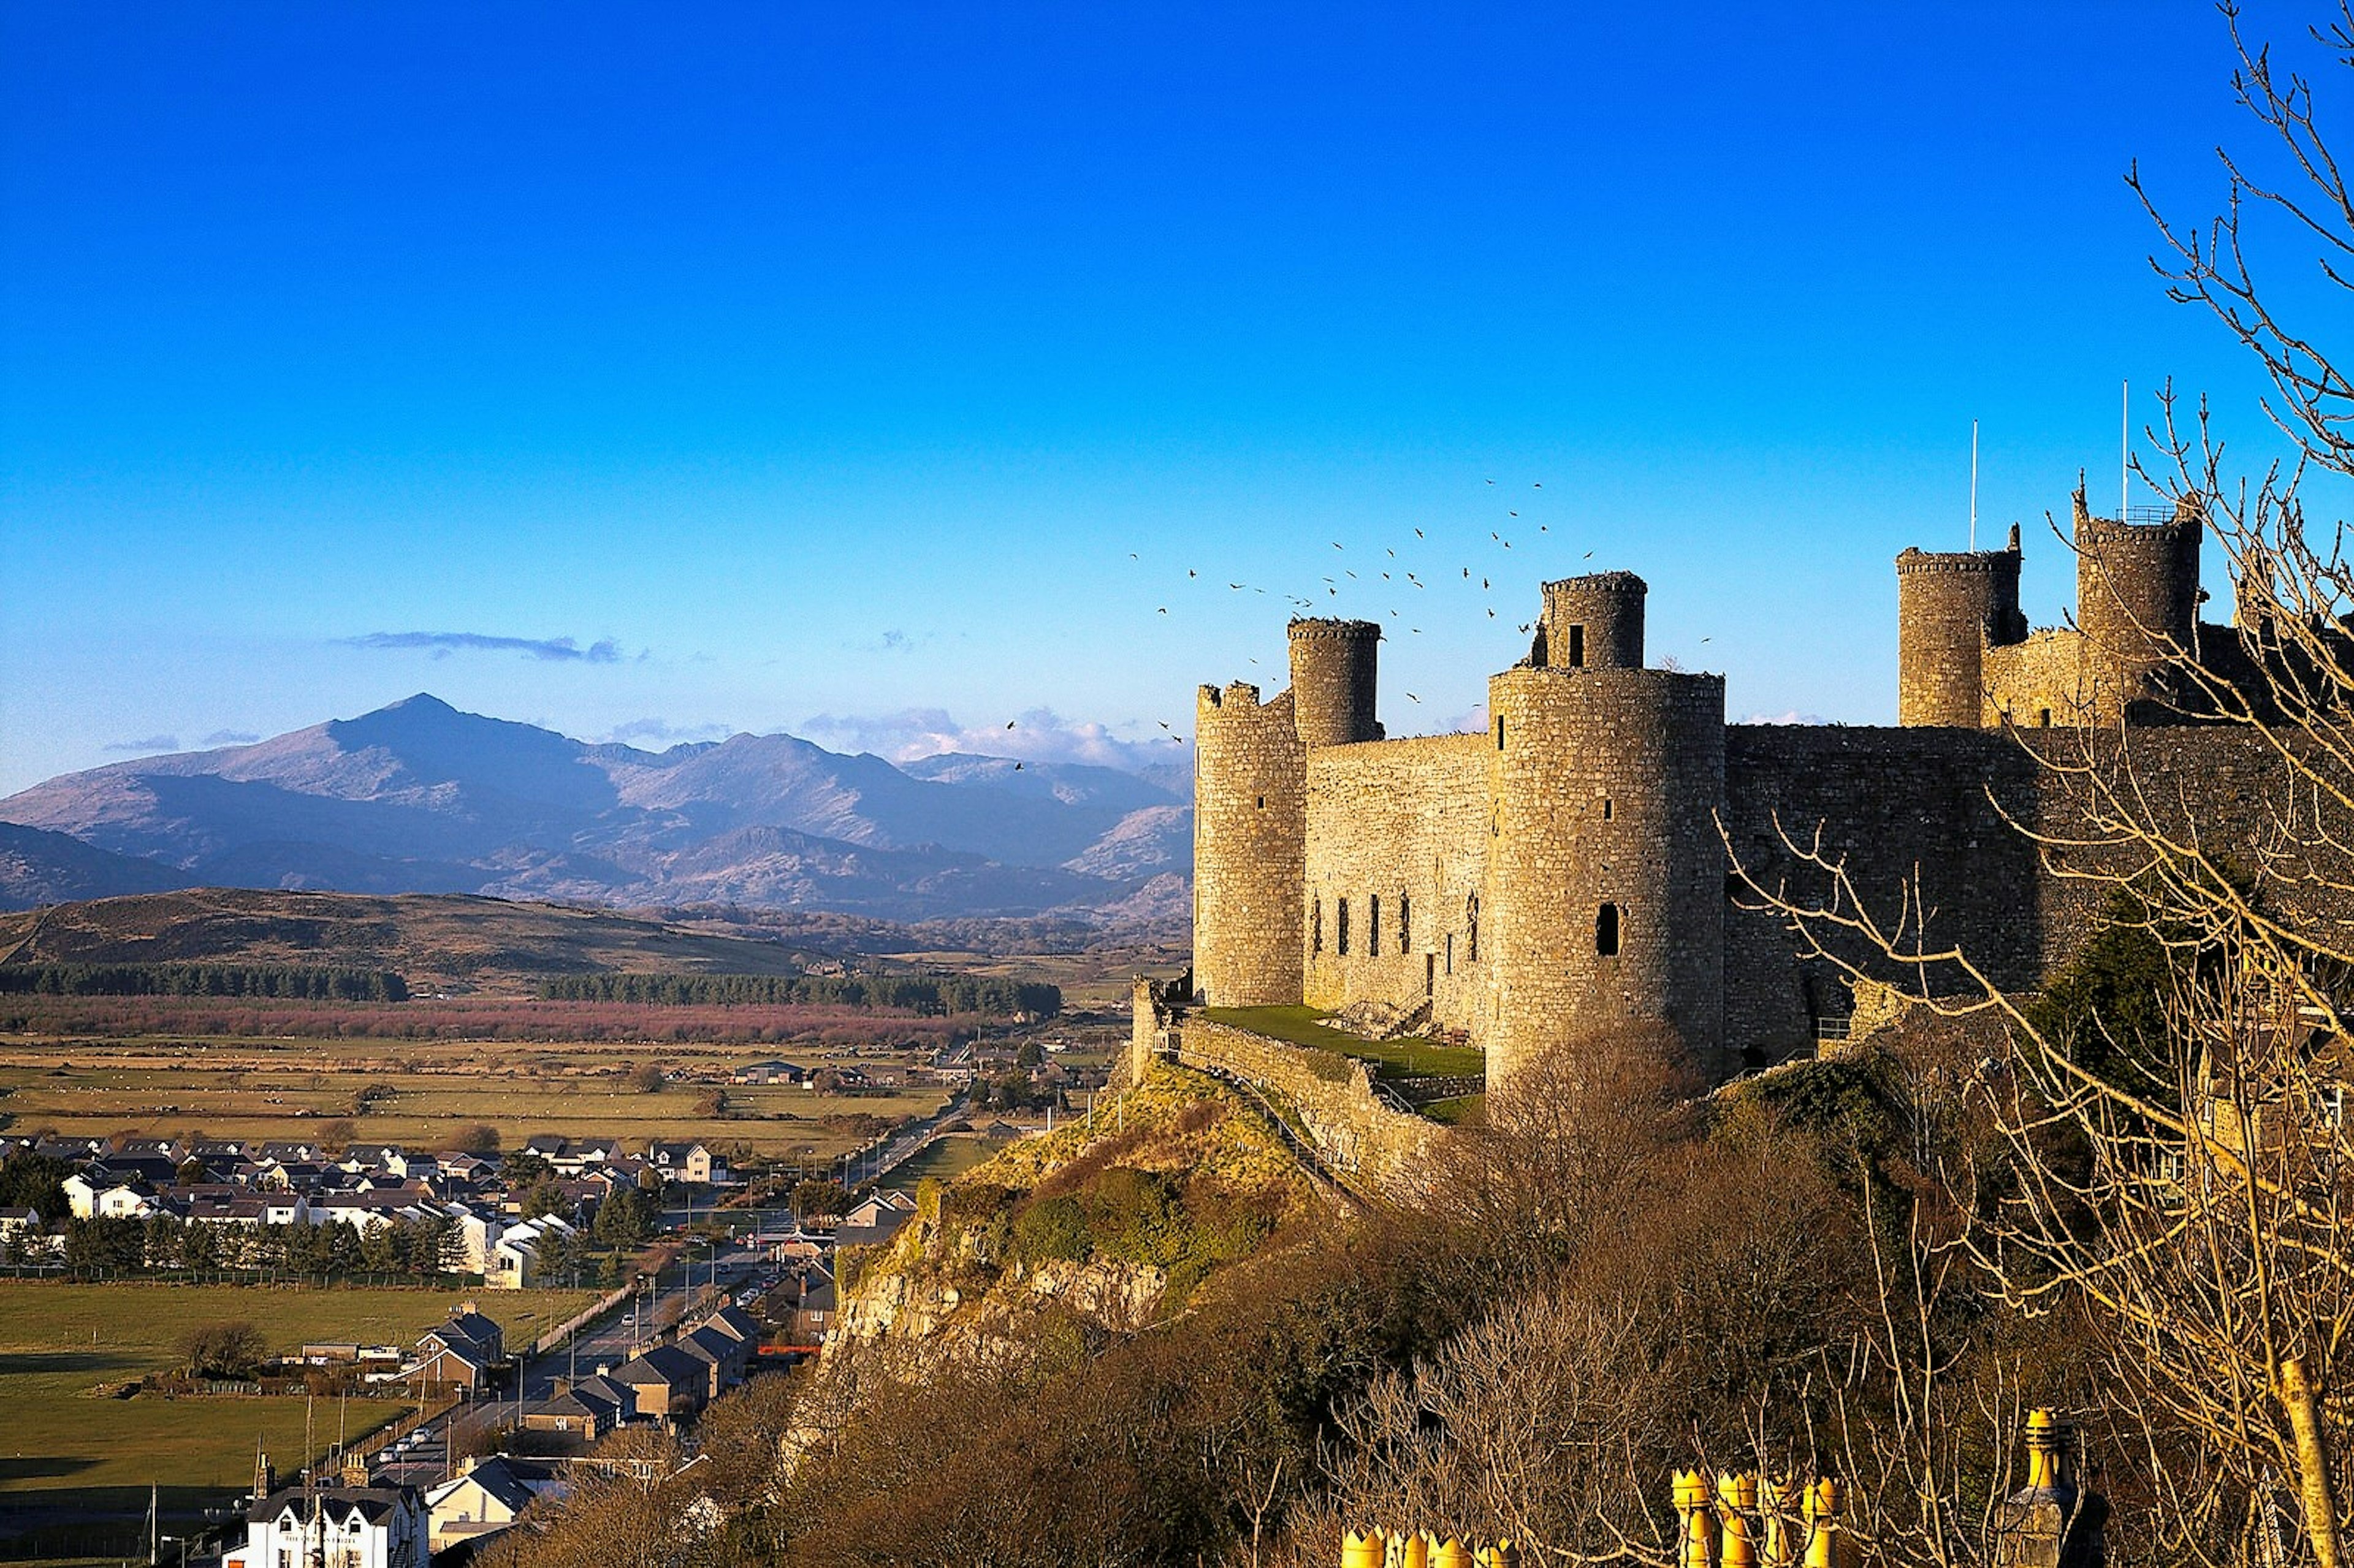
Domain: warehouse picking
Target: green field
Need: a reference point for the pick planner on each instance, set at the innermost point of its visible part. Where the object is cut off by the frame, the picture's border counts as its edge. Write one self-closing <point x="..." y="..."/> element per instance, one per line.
<point x="1389" y="1058"/>
<point x="421" y="1095"/>
<point x="59" y="1342"/>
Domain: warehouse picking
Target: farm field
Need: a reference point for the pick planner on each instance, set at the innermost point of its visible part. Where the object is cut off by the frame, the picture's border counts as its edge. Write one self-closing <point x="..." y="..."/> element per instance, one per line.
<point x="59" y="1341"/>
<point x="424" y="1094"/>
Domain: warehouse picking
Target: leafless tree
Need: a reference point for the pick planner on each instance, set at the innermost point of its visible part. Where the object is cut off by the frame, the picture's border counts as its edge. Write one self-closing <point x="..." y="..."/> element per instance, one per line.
<point x="2187" y="1190"/>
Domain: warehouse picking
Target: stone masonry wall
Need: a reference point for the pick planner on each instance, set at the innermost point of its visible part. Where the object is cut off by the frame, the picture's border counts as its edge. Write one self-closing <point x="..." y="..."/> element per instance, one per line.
<point x="1948" y="608"/>
<point x="1898" y="804"/>
<point x="1605" y="887"/>
<point x="2036" y="683"/>
<point x="1356" y="1135"/>
<point x="1249" y="838"/>
<point x="1402" y="824"/>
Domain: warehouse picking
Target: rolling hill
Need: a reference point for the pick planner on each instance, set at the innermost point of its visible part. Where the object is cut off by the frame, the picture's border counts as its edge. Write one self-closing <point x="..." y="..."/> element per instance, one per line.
<point x="437" y="941"/>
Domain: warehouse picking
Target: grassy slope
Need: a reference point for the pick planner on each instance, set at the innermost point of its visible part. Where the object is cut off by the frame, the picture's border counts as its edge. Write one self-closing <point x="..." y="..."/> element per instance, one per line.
<point x="440" y="942"/>
<point x="58" y="1341"/>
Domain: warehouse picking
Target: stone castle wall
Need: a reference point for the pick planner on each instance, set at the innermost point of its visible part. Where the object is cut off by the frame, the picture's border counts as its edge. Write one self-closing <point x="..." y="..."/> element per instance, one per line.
<point x="1249" y="844"/>
<point x="1898" y="805"/>
<point x="1949" y="610"/>
<point x="1362" y="1139"/>
<point x="1606" y="886"/>
<point x="2036" y="683"/>
<point x="1397" y="829"/>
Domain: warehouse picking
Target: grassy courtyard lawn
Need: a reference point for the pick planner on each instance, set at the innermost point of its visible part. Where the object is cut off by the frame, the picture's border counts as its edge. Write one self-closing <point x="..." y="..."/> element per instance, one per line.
<point x="1458" y="1111"/>
<point x="1389" y="1058"/>
<point x="59" y="1342"/>
<point x="945" y="1158"/>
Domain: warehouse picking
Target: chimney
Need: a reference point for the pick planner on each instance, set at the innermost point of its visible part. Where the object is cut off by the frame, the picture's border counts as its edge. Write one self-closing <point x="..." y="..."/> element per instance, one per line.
<point x="2051" y="1523"/>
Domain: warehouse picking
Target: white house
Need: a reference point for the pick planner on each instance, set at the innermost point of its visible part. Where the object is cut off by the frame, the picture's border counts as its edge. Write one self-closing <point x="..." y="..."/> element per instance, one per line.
<point x="106" y="1197"/>
<point x="515" y="1257"/>
<point x="478" y="1232"/>
<point x="335" y="1526"/>
<point x="486" y="1499"/>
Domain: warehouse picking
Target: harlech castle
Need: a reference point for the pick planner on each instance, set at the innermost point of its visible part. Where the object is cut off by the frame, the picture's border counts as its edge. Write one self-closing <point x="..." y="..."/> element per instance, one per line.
<point x="1566" y="872"/>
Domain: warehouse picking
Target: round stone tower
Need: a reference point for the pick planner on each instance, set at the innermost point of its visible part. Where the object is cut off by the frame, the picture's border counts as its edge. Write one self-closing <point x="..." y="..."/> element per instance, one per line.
<point x="1334" y="668"/>
<point x="1592" y="624"/>
<point x="1250" y="848"/>
<point x="2137" y="596"/>
<point x="1606" y="874"/>
<point x="1949" y="607"/>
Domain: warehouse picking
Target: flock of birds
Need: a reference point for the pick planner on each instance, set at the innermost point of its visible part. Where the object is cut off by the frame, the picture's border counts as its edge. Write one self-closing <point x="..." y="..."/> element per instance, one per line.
<point x="1388" y="568"/>
<point x="1398" y="576"/>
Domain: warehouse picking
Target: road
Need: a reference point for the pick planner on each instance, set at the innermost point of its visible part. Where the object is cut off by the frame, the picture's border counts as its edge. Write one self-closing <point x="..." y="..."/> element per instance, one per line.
<point x="608" y="1341"/>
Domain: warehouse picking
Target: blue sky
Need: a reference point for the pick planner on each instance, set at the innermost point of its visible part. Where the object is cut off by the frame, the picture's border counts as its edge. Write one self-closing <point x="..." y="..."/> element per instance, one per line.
<point x="655" y="372"/>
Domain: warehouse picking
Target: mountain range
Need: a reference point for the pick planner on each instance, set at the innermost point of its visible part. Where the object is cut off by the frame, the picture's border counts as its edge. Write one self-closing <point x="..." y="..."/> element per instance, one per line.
<point x="420" y="797"/>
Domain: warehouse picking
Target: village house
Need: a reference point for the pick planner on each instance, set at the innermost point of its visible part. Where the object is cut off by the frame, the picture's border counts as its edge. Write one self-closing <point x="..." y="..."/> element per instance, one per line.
<point x="486" y="1498"/>
<point x="667" y="1384"/>
<point x="691" y="1162"/>
<point x="516" y="1257"/>
<point x="335" y="1526"/>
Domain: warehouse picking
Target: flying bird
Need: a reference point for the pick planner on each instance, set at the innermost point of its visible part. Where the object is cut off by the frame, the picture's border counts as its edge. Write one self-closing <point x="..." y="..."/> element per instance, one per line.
<point x="1538" y="485"/>
<point x="1410" y="694"/>
<point x="1417" y="533"/>
<point x="1191" y="573"/>
<point x="1017" y="767"/>
<point x="1589" y="555"/>
<point x="1164" y="609"/>
<point x="1009" y="723"/>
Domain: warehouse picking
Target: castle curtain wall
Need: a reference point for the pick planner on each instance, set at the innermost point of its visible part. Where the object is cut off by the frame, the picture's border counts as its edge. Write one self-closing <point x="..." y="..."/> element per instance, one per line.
<point x="1403" y="823"/>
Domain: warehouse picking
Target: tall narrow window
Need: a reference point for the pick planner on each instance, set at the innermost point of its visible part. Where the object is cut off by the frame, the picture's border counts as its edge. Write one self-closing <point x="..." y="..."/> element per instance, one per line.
<point x="1316" y="925"/>
<point x="1606" y="808"/>
<point x="1605" y="931"/>
<point x="1577" y="648"/>
<point x="1340" y="925"/>
<point x="1374" y="926"/>
<point x="1471" y="925"/>
<point x="1450" y="953"/>
<point x="1499" y="732"/>
<point x="1405" y="925"/>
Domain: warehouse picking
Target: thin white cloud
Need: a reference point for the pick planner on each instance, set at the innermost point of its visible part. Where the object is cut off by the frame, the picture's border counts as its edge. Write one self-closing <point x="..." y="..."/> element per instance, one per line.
<point x="1039" y="735"/>
<point x="1793" y="716"/>
<point x="148" y="747"/>
<point x="662" y="732"/>
<point x="442" y="644"/>
<point x="231" y="737"/>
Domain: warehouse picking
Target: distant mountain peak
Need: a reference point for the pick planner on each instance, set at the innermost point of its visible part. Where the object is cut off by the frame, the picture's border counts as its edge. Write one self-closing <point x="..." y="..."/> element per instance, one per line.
<point x="419" y="795"/>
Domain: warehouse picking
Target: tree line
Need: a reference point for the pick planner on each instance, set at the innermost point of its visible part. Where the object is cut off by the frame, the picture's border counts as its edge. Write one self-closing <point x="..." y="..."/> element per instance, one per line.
<point x="935" y="994"/>
<point x="292" y="982"/>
